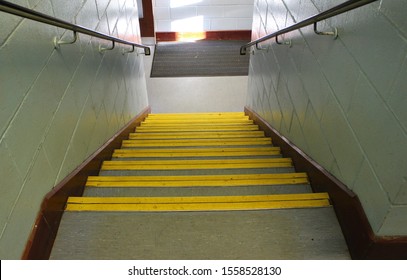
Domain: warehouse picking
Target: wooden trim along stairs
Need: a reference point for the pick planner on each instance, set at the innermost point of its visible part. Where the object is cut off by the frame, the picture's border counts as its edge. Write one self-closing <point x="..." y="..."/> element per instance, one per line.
<point x="43" y="234"/>
<point x="361" y="240"/>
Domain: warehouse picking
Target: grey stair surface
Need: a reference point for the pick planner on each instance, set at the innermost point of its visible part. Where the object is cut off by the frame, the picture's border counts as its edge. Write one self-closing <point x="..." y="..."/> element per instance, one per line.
<point x="277" y="234"/>
<point x="270" y="232"/>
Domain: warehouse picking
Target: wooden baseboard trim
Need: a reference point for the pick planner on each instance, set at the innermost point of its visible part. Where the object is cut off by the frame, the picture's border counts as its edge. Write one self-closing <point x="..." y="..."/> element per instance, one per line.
<point x="362" y="242"/>
<point x="206" y="35"/>
<point x="43" y="234"/>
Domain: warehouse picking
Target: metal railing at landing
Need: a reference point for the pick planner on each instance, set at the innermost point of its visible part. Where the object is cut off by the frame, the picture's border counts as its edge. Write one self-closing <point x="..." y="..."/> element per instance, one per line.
<point x="337" y="10"/>
<point x="17" y="10"/>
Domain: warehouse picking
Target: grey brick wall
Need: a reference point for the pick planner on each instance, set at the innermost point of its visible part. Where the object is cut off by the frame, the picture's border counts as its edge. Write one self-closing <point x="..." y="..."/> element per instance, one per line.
<point x="342" y="101"/>
<point x="58" y="106"/>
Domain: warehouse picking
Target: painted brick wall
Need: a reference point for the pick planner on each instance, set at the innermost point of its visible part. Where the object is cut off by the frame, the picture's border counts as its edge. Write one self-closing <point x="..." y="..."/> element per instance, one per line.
<point x="342" y="101"/>
<point x="57" y="106"/>
<point x="202" y="15"/>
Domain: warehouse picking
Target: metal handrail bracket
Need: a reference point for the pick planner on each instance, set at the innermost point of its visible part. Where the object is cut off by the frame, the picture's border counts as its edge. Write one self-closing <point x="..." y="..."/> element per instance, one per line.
<point x="337" y="10"/>
<point x="17" y="10"/>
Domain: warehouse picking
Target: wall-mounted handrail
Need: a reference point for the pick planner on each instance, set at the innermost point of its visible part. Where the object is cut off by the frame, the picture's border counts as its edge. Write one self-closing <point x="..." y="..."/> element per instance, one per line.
<point x="17" y="10"/>
<point x="339" y="9"/>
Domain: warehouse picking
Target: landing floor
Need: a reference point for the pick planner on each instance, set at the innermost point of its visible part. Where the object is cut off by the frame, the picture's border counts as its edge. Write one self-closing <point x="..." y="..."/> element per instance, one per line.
<point x="195" y="94"/>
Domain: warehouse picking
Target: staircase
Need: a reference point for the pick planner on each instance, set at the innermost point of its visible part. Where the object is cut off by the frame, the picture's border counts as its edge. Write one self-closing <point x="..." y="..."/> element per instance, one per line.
<point x="199" y="186"/>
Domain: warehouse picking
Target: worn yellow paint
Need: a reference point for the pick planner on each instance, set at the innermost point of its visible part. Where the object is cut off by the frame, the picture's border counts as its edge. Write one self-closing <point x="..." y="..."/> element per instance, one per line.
<point x="194" y="207"/>
<point x="198" y="180"/>
<point x="197" y="199"/>
<point x="197" y="115"/>
<point x="204" y="128"/>
<point x="196" y="164"/>
<point x="196" y="135"/>
<point x="252" y="139"/>
<point x="212" y="203"/>
<point x="197" y="121"/>
<point x="192" y="125"/>
<point x="200" y="161"/>
<point x="197" y="152"/>
<point x="196" y="143"/>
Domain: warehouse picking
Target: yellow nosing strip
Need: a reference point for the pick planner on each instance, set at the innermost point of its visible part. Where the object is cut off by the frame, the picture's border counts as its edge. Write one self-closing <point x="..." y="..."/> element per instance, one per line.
<point x="197" y="199"/>
<point x="198" y="141"/>
<point x="199" y="162"/>
<point x="195" y="122"/>
<point x="202" y="161"/>
<point x="198" y="180"/>
<point x="200" y="150"/>
<point x="196" y="128"/>
<point x="191" y="119"/>
<point x="198" y="115"/>
<point x="200" y="177"/>
<point x="253" y="139"/>
<point x="196" y="135"/>
<point x="194" y="125"/>
<point x="195" y="207"/>
<point x="125" y="153"/>
<point x="196" y="164"/>
<point x="170" y="204"/>
<point x="194" y="143"/>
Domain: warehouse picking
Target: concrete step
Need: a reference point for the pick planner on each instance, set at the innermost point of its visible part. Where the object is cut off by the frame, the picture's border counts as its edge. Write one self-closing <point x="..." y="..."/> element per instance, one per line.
<point x="196" y="191"/>
<point x="311" y="233"/>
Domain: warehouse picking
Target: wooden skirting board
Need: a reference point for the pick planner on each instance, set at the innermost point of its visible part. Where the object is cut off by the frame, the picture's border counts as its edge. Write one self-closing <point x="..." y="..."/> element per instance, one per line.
<point x="42" y="237"/>
<point x="361" y="240"/>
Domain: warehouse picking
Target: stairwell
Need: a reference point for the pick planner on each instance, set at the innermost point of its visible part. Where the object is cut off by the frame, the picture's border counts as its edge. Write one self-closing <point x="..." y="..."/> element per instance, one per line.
<point x="199" y="186"/>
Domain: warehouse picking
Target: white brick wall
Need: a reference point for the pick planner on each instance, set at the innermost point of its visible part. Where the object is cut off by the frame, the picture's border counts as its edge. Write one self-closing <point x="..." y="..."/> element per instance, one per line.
<point x="58" y="106"/>
<point x="342" y="101"/>
<point x="202" y="15"/>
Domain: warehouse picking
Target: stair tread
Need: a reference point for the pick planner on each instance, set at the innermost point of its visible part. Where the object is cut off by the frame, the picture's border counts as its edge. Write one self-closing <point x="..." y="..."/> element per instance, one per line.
<point x="118" y="191"/>
<point x="210" y="235"/>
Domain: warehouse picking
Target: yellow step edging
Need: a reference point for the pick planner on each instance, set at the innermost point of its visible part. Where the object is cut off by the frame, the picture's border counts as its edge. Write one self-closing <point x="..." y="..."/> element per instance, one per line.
<point x="203" y="128"/>
<point x="196" y="142"/>
<point x="197" y="115"/>
<point x="192" y="121"/>
<point x="293" y="175"/>
<point x="199" y="203"/>
<point x="196" y="164"/>
<point x="196" y="135"/>
<point x="198" y="180"/>
<point x="196" y="152"/>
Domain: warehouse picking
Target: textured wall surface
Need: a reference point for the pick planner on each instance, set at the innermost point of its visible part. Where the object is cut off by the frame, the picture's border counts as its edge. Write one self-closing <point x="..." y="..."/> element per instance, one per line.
<point x="202" y="15"/>
<point x="342" y="101"/>
<point x="58" y="106"/>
